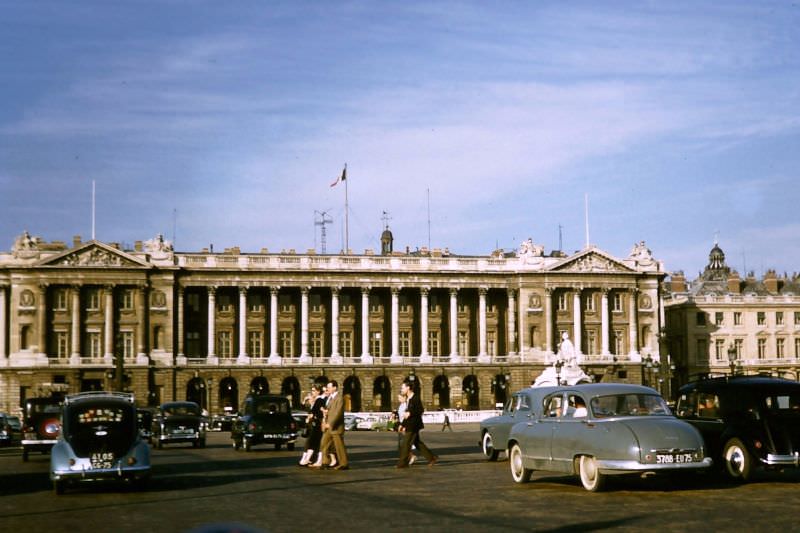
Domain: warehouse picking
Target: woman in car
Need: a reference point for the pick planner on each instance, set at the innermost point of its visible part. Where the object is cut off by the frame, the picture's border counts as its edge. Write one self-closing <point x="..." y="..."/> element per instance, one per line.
<point x="314" y="424"/>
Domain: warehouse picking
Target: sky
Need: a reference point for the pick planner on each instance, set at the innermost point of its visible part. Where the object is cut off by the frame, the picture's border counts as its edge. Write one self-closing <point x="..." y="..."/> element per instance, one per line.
<point x="472" y="125"/>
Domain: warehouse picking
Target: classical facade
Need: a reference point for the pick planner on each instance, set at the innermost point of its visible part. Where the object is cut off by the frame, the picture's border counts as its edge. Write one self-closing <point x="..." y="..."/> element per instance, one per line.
<point x="211" y="327"/>
<point x="720" y="323"/>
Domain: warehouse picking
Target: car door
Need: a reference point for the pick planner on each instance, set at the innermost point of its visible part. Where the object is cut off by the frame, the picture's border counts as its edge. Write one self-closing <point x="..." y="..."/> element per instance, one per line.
<point x="539" y="437"/>
<point x="519" y="410"/>
<point x="571" y="432"/>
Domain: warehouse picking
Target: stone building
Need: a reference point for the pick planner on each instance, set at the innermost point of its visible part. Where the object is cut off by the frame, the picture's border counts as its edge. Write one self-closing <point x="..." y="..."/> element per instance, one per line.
<point x="211" y="327"/>
<point x="720" y="323"/>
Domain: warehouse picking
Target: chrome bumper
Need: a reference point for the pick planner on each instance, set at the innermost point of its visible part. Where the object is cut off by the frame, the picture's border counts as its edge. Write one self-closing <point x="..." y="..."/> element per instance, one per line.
<point x="783" y="460"/>
<point x="621" y="467"/>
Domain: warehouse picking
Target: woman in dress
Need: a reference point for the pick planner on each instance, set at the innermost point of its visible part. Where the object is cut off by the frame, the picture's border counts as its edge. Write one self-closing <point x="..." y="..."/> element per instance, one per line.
<point x="314" y="424"/>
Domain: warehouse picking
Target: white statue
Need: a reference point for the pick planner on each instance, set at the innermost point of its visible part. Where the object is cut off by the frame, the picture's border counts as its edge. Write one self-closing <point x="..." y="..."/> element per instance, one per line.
<point x="528" y="250"/>
<point x="641" y="253"/>
<point x="565" y="370"/>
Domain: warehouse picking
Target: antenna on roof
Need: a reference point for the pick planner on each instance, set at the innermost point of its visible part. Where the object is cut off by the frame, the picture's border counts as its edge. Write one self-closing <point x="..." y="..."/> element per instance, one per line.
<point x="322" y="221"/>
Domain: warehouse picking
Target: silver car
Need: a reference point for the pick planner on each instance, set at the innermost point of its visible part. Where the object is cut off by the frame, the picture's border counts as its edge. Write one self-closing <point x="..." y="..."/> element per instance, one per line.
<point x="521" y="407"/>
<point x="601" y="429"/>
<point x="99" y="441"/>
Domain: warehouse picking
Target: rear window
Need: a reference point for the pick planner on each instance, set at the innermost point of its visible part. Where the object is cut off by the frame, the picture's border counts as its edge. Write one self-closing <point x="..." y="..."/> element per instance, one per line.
<point x="270" y="406"/>
<point x="171" y="410"/>
<point x="101" y="428"/>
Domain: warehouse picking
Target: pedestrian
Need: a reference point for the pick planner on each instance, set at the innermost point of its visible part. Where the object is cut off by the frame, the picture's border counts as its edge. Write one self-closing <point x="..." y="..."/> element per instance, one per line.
<point x="446" y="423"/>
<point x="314" y="424"/>
<point x="402" y="412"/>
<point x="333" y="430"/>
<point x="410" y="427"/>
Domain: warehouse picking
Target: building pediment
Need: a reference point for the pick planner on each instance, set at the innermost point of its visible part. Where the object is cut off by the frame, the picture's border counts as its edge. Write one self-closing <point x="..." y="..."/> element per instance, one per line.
<point x="592" y="261"/>
<point x="94" y="254"/>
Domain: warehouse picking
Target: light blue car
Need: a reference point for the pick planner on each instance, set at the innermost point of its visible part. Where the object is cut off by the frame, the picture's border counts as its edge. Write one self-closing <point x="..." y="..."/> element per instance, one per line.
<point x="523" y="405"/>
<point x="602" y="429"/>
<point x="99" y="441"/>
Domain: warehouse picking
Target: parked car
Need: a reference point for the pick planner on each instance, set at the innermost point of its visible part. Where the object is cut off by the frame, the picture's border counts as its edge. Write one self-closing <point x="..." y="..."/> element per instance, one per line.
<point x="746" y="421"/>
<point x="267" y="419"/>
<point x="494" y="431"/>
<point x="301" y="419"/>
<point x="8" y="435"/>
<point x="223" y="422"/>
<point x="144" y="421"/>
<point x="42" y="424"/>
<point x="15" y="423"/>
<point x="601" y="429"/>
<point x="99" y="441"/>
<point x="351" y="422"/>
<point x="179" y="422"/>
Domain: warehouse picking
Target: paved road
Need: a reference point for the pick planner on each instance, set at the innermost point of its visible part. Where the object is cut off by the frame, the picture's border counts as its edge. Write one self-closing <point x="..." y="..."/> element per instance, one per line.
<point x="266" y="490"/>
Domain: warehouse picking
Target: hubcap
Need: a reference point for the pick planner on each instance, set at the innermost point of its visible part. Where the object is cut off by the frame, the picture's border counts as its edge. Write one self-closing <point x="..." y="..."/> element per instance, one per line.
<point x="736" y="459"/>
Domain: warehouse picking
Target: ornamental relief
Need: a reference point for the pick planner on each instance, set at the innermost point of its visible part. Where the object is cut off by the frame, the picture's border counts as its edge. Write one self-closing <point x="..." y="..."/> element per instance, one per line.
<point x="535" y="301"/>
<point x="96" y="257"/>
<point x="645" y="302"/>
<point x="592" y="263"/>
<point x="158" y="299"/>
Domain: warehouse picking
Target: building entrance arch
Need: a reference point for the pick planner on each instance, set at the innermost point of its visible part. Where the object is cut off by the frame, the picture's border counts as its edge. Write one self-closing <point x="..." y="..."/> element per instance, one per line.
<point x="441" y="392"/>
<point x="196" y="392"/>
<point x="290" y="388"/>
<point x="472" y="392"/>
<point x="382" y="394"/>
<point x="352" y="394"/>
<point x="259" y="385"/>
<point x="229" y="395"/>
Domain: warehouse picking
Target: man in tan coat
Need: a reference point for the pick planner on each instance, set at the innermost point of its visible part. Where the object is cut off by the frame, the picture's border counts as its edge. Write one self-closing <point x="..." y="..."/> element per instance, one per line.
<point x="333" y="427"/>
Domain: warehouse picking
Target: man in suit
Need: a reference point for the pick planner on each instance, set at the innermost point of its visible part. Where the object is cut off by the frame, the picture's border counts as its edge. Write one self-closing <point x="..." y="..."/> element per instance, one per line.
<point x="410" y="427"/>
<point x="333" y="427"/>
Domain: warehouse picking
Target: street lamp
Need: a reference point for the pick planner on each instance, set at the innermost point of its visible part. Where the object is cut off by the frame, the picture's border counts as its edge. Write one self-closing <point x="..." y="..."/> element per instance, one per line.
<point x="733" y="358"/>
<point x="648" y="366"/>
<point x="210" y="382"/>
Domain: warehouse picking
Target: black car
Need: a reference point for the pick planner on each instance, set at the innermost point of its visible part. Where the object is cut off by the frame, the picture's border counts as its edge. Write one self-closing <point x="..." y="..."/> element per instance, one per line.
<point x="266" y="420"/>
<point x="746" y="421"/>
<point x="42" y="424"/>
<point x="179" y="422"/>
<point x="144" y="421"/>
<point x="222" y="422"/>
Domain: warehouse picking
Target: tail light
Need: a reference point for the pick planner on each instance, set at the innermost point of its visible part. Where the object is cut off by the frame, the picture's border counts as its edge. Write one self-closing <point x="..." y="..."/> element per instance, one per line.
<point x="131" y="461"/>
<point x="252" y="426"/>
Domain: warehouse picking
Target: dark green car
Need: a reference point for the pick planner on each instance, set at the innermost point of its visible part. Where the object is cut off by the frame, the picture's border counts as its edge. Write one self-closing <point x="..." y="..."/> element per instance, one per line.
<point x="267" y="419"/>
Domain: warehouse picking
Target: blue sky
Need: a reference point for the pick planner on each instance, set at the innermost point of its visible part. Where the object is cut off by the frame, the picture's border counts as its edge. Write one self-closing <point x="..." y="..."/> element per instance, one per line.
<point x="224" y="123"/>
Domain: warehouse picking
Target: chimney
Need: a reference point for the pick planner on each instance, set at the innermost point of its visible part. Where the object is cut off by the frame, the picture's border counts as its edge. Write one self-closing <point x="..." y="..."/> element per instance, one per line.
<point x="734" y="283"/>
<point x="771" y="282"/>
<point x="677" y="282"/>
<point x="137" y="246"/>
<point x="76" y="241"/>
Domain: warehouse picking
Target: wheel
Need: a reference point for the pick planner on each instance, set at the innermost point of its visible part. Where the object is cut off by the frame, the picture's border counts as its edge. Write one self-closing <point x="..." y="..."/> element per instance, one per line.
<point x="591" y="477"/>
<point x="518" y="471"/>
<point x="290" y="446"/>
<point x="58" y="487"/>
<point x="737" y="461"/>
<point x="277" y="445"/>
<point x="247" y="445"/>
<point x="488" y="447"/>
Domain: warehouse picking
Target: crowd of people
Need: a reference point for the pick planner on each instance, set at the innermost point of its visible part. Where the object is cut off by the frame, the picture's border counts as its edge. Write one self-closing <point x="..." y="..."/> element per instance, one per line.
<point x="325" y="426"/>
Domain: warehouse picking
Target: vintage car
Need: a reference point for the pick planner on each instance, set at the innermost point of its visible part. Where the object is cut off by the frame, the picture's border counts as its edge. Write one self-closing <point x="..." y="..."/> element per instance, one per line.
<point x="144" y="420"/>
<point x="8" y="435"/>
<point x="267" y="419"/>
<point x="42" y="424"/>
<point x="223" y="422"/>
<point x="601" y="429"/>
<point x="746" y="421"/>
<point x="494" y="431"/>
<point x="99" y="441"/>
<point x="179" y="422"/>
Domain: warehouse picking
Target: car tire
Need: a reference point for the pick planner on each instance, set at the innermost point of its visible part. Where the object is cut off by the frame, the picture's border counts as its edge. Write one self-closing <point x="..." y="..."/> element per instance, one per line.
<point x="591" y="478"/>
<point x="58" y="487"/>
<point x="488" y="447"/>
<point x="519" y="473"/>
<point x="290" y="446"/>
<point x="736" y="460"/>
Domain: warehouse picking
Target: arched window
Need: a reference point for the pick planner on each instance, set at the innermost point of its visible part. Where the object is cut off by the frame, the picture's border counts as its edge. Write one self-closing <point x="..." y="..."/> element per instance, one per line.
<point x="352" y="394"/>
<point x="500" y="389"/>
<point x="290" y="388"/>
<point x="196" y="392"/>
<point x="472" y="392"/>
<point x="24" y="337"/>
<point x="259" y="385"/>
<point x="382" y="394"/>
<point x="229" y="395"/>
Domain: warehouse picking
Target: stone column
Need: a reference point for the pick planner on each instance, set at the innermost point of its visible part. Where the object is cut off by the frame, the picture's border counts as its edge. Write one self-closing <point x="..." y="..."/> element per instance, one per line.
<point x="455" y="357"/>
<point x="304" y="357"/>
<point x="512" y="322"/>
<point x="41" y="316"/>
<point x="274" y="358"/>
<point x="335" y="355"/>
<point x="395" y="357"/>
<point x="108" y="331"/>
<point x="141" y="311"/>
<point x="180" y="322"/>
<point x="548" y="319"/>
<point x="243" y="357"/>
<point x="483" y="357"/>
<point x="366" y="357"/>
<point x="75" y="333"/>
<point x="576" y="320"/>
<point x="633" y="325"/>
<point x="3" y="330"/>
<point x="604" y="325"/>
<point x="424" y="356"/>
<point x="212" y="333"/>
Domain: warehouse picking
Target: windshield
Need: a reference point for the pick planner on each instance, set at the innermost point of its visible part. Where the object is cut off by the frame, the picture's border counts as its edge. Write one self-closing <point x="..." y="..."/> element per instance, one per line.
<point x="629" y="405"/>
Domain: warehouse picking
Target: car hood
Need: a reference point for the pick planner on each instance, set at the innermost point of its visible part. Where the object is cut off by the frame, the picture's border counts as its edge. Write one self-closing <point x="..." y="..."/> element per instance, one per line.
<point x="658" y="433"/>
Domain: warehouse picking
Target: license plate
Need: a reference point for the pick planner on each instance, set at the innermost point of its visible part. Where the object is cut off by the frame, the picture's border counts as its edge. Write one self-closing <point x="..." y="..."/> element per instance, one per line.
<point x="188" y="431"/>
<point x="673" y="458"/>
<point x="102" y="460"/>
<point x="274" y="436"/>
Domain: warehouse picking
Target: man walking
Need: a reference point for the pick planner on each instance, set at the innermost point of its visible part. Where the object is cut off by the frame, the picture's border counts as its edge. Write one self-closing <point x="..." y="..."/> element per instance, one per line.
<point x="410" y="427"/>
<point x="333" y="427"/>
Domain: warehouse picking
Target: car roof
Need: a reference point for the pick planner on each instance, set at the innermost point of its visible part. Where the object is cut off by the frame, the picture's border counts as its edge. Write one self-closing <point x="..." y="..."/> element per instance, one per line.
<point x="594" y="389"/>
<point x="740" y="382"/>
<point x="99" y="396"/>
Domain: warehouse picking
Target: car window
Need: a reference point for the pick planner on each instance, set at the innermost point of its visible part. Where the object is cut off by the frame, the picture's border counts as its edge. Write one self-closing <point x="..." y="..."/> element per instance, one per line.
<point x="629" y="405"/>
<point x="524" y="405"/>
<point x="511" y="404"/>
<point x="783" y="403"/>
<point x="272" y="407"/>
<point x="576" y="406"/>
<point x="181" y="410"/>
<point x="553" y="406"/>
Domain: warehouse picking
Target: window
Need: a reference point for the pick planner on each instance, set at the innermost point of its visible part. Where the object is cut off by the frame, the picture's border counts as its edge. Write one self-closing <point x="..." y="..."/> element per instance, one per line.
<point x="702" y="351"/>
<point x="403" y="303"/>
<point x="158" y="334"/>
<point x="95" y="348"/>
<point x="286" y="343"/>
<point x="315" y="300"/>
<point x="405" y="343"/>
<point x="719" y="318"/>
<point x="315" y="343"/>
<point x="93" y="299"/>
<point x="779" y="344"/>
<point x="255" y="302"/>
<point x="589" y="303"/>
<point x="738" y="344"/>
<point x="224" y="342"/>
<point x="375" y="304"/>
<point x="797" y="347"/>
<point x="60" y="300"/>
<point x="463" y="339"/>
<point x="285" y="302"/>
<point x="700" y="319"/>
<point x="345" y="303"/>
<point x="762" y="348"/>
<point x="616" y="303"/>
<point x="224" y="303"/>
<point x="737" y="318"/>
<point x="193" y="302"/>
<point x="619" y="342"/>
<point x="433" y="343"/>
<point x="255" y="343"/>
<point x="127" y="344"/>
<point x="462" y="305"/>
<point x="589" y="342"/>
<point x="563" y="302"/>
<point x="62" y="344"/>
<point x="761" y="318"/>
<point x="375" y="343"/>
<point x="797" y="318"/>
<point x="491" y="344"/>
<point x="126" y="300"/>
<point x="779" y="318"/>
<point x="345" y="344"/>
<point x="719" y="350"/>
<point x="433" y="303"/>
<point x="193" y="344"/>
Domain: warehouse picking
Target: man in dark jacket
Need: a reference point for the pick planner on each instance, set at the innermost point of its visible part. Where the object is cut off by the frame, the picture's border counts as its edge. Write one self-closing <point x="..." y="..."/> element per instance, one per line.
<point x="410" y="427"/>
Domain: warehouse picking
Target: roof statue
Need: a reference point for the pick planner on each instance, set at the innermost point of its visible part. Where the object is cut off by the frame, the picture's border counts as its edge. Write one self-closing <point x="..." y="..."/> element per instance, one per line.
<point x="566" y="369"/>
<point x="530" y="252"/>
<point x="641" y="253"/>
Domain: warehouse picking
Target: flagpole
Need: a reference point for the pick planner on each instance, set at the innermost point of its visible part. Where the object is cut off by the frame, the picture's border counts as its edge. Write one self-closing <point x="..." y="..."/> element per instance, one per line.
<point x="346" y="215"/>
<point x="93" y="215"/>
